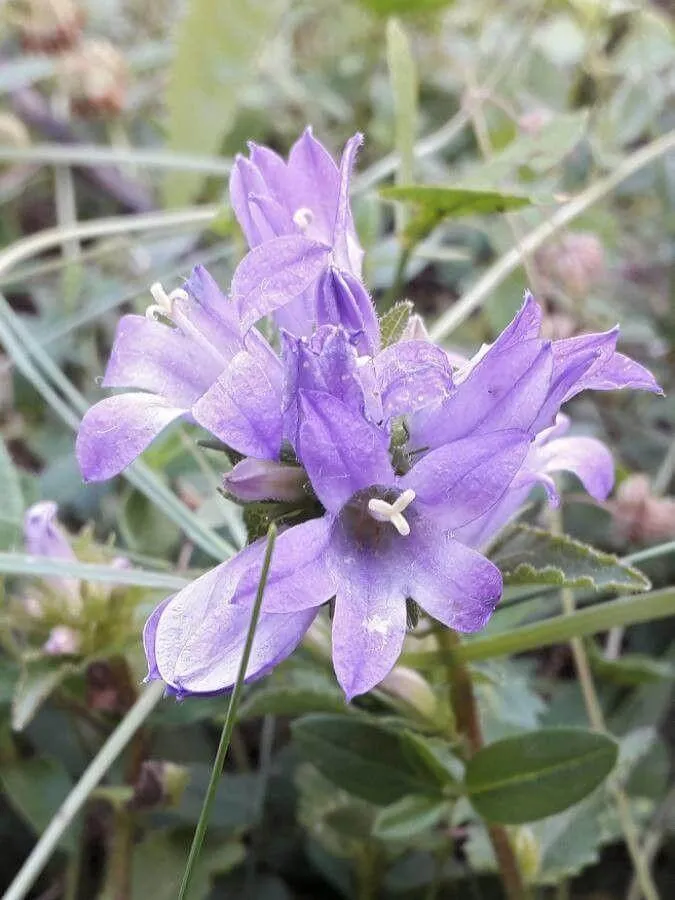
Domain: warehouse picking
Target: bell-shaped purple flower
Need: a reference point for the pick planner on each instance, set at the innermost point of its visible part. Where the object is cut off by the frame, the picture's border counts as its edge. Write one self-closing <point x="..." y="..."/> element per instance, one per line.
<point x="171" y="358"/>
<point x="43" y="536"/>
<point x="305" y="263"/>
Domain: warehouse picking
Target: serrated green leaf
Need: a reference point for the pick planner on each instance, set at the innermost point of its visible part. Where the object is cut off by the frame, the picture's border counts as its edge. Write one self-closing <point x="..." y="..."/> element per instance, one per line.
<point x="12" y="506"/>
<point x="367" y="759"/>
<point x="39" y="677"/>
<point x="217" y="51"/>
<point x="36" y="788"/>
<point x="394" y="321"/>
<point x="537" y="774"/>
<point x="528" y="555"/>
<point x="409" y="816"/>
<point x="433" y="203"/>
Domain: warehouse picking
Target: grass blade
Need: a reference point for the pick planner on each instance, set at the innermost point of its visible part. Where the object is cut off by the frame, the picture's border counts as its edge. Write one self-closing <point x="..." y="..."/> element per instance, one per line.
<point x="226" y="736"/>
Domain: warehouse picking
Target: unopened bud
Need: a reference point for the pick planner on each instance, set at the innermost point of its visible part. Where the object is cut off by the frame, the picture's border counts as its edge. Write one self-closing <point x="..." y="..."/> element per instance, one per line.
<point x="263" y="479"/>
<point x="535" y="121"/>
<point x="62" y="641"/>
<point x="528" y="852"/>
<point x="95" y="75"/>
<point x="48" y="26"/>
<point x="159" y="783"/>
<point x="408" y="686"/>
<point x="415" y="329"/>
<point x="343" y="300"/>
<point x="13" y="132"/>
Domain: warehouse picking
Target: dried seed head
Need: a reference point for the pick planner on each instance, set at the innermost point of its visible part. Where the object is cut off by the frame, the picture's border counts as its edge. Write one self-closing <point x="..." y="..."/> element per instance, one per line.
<point x="574" y="264"/>
<point x="639" y="515"/>
<point x="95" y="75"/>
<point x="47" y="26"/>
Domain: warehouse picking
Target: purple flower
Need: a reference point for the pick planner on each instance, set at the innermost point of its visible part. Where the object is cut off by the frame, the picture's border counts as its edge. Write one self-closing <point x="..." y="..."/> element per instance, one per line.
<point x="44" y="536"/>
<point x="384" y="537"/>
<point x="305" y="259"/>
<point x="522" y="380"/>
<point x="171" y="358"/>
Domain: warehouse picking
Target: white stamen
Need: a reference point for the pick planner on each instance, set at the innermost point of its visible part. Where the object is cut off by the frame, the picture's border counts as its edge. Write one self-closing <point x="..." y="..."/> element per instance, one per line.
<point x="163" y="305"/>
<point x="303" y="218"/>
<point x="393" y="512"/>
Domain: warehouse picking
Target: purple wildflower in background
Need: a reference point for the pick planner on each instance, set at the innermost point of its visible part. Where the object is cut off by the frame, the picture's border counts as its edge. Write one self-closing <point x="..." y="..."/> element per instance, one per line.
<point x="403" y="462"/>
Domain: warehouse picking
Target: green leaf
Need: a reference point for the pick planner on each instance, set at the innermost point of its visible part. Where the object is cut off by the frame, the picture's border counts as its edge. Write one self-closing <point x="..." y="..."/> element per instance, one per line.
<point x="36" y="788"/>
<point x="404" y="7"/>
<point x="296" y="693"/>
<point x="159" y="860"/>
<point x="537" y="153"/>
<point x="39" y="677"/>
<point x="403" y="76"/>
<point x="12" y="506"/>
<point x="537" y="774"/>
<point x="528" y="555"/>
<point x="630" y="669"/>
<point x="408" y="817"/>
<point x="217" y="50"/>
<point x="394" y="321"/>
<point x="433" y="203"/>
<point x="368" y="759"/>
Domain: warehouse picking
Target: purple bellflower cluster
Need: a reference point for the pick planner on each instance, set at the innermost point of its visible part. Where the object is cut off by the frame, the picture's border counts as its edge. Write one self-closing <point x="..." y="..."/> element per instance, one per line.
<point x="401" y="463"/>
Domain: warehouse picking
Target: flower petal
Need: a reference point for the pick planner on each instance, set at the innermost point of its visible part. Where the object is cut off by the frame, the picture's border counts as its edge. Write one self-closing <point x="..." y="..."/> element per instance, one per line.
<point x="453" y="583"/>
<point x="459" y="482"/>
<point x="153" y="357"/>
<point x="411" y="375"/>
<point x="585" y="457"/>
<point x="341" y="452"/>
<point x="369" y="623"/>
<point x="118" y="429"/>
<point x="341" y="299"/>
<point x="348" y="252"/>
<point x="243" y="407"/>
<point x="298" y="577"/>
<point x="200" y="633"/>
<point x="314" y="183"/>
<point x="275" y="273"/>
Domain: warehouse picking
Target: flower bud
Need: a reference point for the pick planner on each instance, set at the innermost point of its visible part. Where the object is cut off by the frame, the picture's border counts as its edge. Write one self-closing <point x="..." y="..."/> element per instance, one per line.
<point x="263" y="479"/>
<point x="409" y="686"/>
<point x="95" y="76"/>
<point x="343" y="300"/>
<point x="534" y="121"/>
<point x="62" y="641"/>
<point x="159" y="783"/>
<point x="49" y="26"/>
<point x="13" y="132"/>
<point x="415" y="329"/>
<point x="528" y="852"/>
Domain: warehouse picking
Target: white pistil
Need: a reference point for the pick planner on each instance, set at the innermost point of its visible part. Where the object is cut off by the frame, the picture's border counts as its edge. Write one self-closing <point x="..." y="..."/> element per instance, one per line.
<point x="303" y="218"/>
<point x="393" y="512"/>
<point x="163" y="305"/>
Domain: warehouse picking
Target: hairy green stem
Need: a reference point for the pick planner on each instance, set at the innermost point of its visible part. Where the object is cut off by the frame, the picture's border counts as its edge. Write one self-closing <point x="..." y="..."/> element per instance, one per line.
<point x="228" y="726"/>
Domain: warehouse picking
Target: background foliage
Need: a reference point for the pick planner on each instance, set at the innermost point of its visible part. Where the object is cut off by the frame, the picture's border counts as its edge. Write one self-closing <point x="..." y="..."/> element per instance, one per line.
<point x="515" y="144"/>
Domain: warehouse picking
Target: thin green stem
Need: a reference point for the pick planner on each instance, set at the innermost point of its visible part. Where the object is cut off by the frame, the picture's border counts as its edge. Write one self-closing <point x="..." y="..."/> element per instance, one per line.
<point x="226" y="735"/>
<point x="25" y="564"/>
<point x="98" y="155"/>
<point x="510" y="261"/>
<point x="591" y="620"/>
<point x="74" y="802"/>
